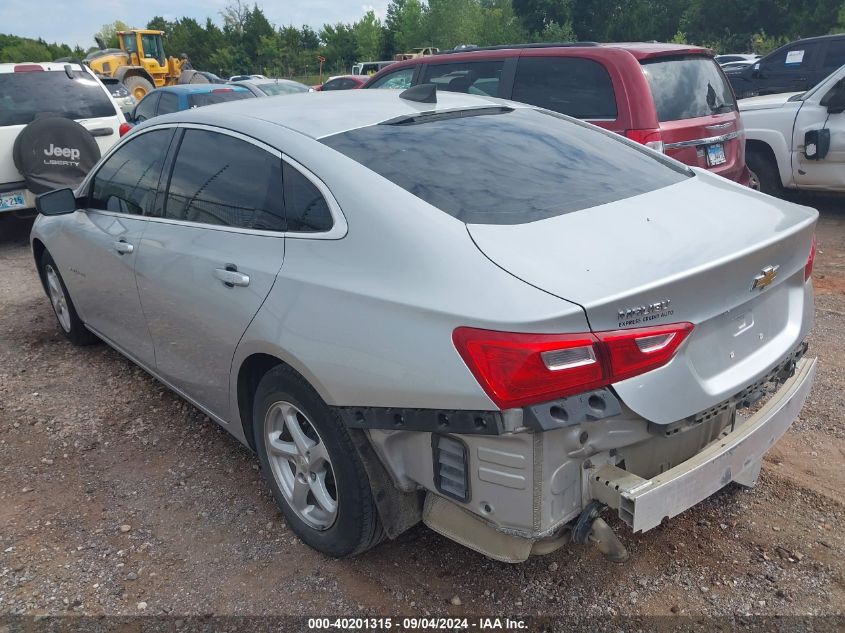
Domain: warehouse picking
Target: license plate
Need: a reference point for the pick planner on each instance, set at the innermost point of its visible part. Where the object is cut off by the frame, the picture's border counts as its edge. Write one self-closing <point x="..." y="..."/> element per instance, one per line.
<point x="716" y="154"/>
<point x="12" y="200"/>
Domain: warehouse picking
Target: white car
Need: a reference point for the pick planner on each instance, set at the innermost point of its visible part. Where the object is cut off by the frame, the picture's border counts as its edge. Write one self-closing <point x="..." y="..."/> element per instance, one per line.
<point x="730" y="58"/>
<point x="797" y="140"/>
<point x="56" y="120"/>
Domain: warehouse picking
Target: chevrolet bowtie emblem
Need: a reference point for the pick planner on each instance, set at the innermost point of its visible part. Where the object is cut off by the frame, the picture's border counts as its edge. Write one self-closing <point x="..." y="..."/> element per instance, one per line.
<point x="766" y="277"/>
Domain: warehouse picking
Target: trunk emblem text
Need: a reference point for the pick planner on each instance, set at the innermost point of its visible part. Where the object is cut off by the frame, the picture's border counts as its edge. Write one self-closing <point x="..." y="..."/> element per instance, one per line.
<point x="765" y="278"/>
<point x="641" y="314"/>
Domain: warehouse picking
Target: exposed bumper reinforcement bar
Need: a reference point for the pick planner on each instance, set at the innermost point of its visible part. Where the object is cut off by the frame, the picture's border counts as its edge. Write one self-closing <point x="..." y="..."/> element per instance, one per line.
<point x="644" y="503"/>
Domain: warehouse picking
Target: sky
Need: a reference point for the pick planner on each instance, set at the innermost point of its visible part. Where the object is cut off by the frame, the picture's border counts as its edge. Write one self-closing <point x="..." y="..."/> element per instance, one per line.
<point x="69" y="22"/>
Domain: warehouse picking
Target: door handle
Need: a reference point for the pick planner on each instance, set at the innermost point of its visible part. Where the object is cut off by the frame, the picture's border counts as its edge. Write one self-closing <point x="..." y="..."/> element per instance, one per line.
<point x="231" y="277"/>
<point x="124" y="248"/>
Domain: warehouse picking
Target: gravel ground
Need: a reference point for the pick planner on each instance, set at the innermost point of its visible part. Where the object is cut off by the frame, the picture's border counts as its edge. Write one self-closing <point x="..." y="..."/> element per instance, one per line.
<point x="118" y="498"/>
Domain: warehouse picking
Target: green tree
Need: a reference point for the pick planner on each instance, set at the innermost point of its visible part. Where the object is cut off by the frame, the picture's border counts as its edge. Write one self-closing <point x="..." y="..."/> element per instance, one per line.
<point x="108" y="33"/>
<point x="367" y="32"/>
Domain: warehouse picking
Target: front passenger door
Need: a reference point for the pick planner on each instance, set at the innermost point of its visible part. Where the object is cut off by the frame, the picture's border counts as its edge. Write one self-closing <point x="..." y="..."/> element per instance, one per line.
<point x="102" y="243"/>
<point x="209" y="259"/>
<point x="827" y="173"/>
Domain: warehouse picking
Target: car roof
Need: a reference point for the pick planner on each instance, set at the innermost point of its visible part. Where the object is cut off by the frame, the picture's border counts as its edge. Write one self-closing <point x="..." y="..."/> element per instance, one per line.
<point x="264" y="82"/>
<point x="200" y="88"/>
<point x="48" y="66"/>
<point x="321" y="114"/>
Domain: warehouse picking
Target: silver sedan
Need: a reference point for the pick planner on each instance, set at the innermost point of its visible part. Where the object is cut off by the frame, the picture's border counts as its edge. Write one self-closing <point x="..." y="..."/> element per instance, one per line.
<point x="444" y="308"/>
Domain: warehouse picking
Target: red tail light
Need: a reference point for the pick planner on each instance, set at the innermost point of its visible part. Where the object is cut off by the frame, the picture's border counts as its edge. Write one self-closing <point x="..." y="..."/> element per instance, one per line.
<point x="28" y="68"/>
<point x="124" y="128"/>
<point x="811" y="260"/>
<point x="650" y="138"/>
<point x="219" y="90"/>
<point x="516" y="369"/>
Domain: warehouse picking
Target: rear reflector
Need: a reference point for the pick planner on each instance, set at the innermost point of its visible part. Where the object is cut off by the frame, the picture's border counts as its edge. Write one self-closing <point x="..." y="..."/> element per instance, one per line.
<point x="811" y="260"/>
<point x="650" y="138"/>
<point x="29" y="68"/>
<point x="517" y="369"/>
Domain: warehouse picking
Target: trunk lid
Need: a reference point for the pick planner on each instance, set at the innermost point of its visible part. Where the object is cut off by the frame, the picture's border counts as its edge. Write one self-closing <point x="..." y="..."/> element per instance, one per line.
<point x="686" y="252"/>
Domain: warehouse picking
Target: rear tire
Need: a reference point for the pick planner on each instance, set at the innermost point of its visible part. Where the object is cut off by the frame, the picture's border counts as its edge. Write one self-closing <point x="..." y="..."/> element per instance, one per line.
<point x="69" y="322"/>
<point x="765" y="172"/>
<point x="312" y="467"/>
<point x="138" y="87"/>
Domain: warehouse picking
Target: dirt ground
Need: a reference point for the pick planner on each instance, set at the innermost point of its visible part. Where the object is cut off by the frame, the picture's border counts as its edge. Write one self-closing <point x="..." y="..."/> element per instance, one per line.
<point x="117" y="497"/>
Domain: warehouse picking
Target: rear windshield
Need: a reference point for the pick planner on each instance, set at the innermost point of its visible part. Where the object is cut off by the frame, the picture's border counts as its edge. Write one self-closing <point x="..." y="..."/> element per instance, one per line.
<point x="23" y="96"/>
<point x="207" y="98"/>
<point x="273" y="89"/>
<point x="503" y="166"/>
<point x="685" y="88"/>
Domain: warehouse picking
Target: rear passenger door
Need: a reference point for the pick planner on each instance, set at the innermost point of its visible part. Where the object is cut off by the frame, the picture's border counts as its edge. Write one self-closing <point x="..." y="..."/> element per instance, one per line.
<point x="209" y="257"/>
<point x="576" y="86"/>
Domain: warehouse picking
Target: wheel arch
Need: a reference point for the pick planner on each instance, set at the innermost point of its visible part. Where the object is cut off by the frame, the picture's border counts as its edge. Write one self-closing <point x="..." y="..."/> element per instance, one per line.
<point x="775" y="149"/>
<point x="38" y="250"/>
<point x="134" y="71"/>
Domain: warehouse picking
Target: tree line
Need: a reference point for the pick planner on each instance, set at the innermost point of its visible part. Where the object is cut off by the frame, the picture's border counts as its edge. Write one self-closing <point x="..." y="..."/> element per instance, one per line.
<point x="242" y="39"/>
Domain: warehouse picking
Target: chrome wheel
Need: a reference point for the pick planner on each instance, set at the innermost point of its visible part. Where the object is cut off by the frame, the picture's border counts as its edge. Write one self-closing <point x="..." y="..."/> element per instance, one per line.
<point x="301" y="465"/>
<point x="57" y="297"/>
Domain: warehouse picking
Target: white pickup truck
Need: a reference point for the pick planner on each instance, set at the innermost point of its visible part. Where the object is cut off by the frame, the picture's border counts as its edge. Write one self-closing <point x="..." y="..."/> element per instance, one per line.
<point x="797" y="140"/>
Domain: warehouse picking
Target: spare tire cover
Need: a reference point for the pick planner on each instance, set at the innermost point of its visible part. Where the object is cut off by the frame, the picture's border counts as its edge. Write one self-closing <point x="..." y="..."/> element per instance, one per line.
<point x="53" y="152"/>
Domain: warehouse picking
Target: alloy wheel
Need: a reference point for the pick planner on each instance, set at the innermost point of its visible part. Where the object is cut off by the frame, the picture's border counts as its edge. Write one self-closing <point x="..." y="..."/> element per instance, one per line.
<point x="301" y="465"/>
<point x="57" y="297"/>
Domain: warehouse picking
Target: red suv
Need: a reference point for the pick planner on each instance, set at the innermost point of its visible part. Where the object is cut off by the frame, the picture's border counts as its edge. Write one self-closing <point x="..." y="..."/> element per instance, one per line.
<point x="673" y="98"/>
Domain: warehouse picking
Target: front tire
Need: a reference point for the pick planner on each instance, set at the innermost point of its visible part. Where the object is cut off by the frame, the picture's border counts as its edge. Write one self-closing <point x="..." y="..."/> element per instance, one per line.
<point x="69" y="322"/>
<point x="138" y="87"/>
<point x="312" y="467"/>
<point x="764" y="172"/>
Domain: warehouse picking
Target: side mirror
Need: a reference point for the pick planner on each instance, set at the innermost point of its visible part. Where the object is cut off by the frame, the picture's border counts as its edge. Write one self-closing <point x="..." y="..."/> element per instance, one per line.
<point x="816" y="144"/>
<point x="755" y="70"/>
<point x="834" y="100"/>
<point x="57" y="202"/>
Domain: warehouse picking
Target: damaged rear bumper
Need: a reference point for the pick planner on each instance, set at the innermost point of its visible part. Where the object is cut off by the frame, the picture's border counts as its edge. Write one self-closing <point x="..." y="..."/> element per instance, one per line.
<point x="737" y="456"/>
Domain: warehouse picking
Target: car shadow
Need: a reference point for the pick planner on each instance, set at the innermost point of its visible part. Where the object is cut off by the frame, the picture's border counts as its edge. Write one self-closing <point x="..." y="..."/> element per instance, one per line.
<point x="14" y="231"/>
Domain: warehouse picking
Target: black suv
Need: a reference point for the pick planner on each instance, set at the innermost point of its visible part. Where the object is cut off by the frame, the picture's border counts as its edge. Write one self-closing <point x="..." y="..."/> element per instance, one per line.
<point x="795" y="67"/>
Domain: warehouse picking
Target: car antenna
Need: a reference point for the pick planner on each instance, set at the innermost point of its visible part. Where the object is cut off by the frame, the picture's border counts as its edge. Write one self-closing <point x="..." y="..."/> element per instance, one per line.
<point x="423" y="93"/>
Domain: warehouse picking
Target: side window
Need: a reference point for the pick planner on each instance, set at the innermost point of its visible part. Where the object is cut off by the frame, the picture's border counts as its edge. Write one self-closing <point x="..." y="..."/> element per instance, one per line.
<point x="399" y="80"/>
<point x="128" y="181"/>
<point x="579" y="87"/>
<point x="306" y="209"/>
<point x="223" y="181"/>
<point x="479" y="78"/>
<point x="146" y="109"/>
<point x="834" y="55"/>
<point x="169" y="103"/>
<point x="334" y="84"/>
<point x="791" y="58"/>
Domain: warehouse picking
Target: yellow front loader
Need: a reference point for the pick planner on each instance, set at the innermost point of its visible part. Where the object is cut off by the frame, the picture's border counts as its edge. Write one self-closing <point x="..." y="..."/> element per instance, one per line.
<point x="140" y="63"/>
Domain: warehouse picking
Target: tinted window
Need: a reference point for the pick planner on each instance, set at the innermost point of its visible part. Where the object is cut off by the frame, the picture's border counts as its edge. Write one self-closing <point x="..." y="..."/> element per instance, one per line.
<point x="399" y="80"/>
<point x="23" y="95"/>
<point x="792" y="57"/>
<point x="305" y="207"/>
<point x="477" y="78"/>
<point x="220" y="95"/>
<point x="146" y="109"/>
<point x="128" y="181"/>
<point x="688" y="88"/>
<point x="578" y="87"/>
<point x="280" y="88"/>
<point x="168" y="103"/>
<point x="834" y="56"/>
<point x="506" y="167"/>
<point x="339" y="84"/>
<point x="221" y="180"/>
